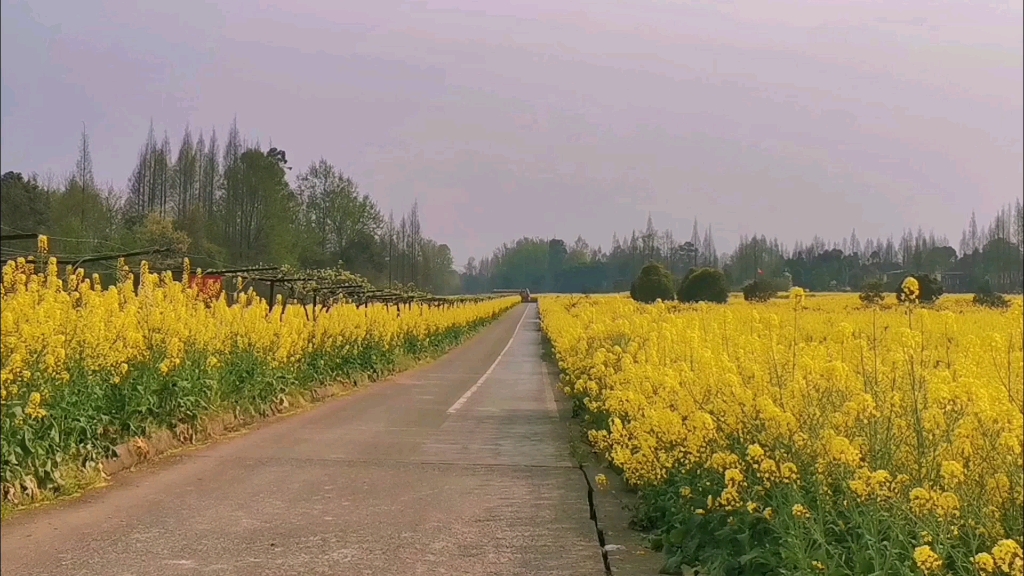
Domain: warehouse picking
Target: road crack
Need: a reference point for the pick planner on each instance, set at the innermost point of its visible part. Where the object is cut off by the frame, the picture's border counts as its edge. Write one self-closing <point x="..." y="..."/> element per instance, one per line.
<point x="597" y="525"/>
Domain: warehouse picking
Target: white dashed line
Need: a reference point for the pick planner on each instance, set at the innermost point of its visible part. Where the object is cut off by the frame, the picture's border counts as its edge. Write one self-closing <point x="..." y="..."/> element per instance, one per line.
<point x="458" y="403"/>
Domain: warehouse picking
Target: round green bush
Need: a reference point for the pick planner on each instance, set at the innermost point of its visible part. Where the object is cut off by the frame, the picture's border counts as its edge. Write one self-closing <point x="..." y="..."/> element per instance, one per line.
<point x="654" y="283"/>
<point x="872" y="293"/>
<point x="989" y="298"/>
<point x="759" y="291"/>
<point x="705" y="285"/>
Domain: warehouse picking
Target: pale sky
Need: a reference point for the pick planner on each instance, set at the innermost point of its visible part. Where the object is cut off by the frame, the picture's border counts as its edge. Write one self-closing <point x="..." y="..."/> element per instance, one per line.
<point x="788" y="118"/>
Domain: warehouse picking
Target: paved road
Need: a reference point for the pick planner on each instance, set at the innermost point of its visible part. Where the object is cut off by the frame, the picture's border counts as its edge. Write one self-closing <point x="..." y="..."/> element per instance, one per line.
<point x="388" y="481"/>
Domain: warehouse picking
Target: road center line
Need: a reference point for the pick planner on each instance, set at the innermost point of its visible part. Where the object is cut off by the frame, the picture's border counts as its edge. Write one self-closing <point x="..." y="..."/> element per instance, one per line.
<point x="458" y="403"/>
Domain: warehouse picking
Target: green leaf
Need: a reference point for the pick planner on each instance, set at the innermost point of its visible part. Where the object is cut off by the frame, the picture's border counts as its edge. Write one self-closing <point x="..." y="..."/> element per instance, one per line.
<point x="753" y="557"/>
<point x="672" y="566"/>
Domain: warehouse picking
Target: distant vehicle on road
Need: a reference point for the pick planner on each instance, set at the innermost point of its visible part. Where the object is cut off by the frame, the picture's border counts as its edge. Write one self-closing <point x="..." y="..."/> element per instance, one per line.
<point x="524" y="293"/>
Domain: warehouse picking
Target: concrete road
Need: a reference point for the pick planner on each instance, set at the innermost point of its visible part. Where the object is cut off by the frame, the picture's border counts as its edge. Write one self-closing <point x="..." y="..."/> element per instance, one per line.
<point x="410" y="476"/>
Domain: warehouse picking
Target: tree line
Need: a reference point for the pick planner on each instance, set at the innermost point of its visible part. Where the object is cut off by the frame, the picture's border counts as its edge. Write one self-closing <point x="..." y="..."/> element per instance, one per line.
<point x="552" y="265"/>
<point x="989" y="254"/>
<point x="232" y="204"/>
<point x="226" y="205"/>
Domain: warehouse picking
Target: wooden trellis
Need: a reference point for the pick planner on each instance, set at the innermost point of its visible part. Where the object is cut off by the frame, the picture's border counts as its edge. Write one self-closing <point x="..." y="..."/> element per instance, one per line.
<point x="322" y="291"/>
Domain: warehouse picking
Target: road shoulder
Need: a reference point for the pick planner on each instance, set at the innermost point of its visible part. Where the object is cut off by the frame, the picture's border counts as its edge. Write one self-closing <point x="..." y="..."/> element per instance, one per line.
<point x="626" y="550"/>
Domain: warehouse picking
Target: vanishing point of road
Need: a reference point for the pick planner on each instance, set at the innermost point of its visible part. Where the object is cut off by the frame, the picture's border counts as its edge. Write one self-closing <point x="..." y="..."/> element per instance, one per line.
<point x="460" y="466"/>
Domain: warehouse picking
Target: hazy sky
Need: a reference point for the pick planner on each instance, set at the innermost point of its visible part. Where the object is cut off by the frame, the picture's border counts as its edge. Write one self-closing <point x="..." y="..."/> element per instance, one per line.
<point x="789" y="118"/>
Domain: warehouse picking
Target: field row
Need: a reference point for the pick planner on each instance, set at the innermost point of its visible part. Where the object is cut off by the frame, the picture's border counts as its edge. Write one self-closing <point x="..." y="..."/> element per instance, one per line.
<point x="87" y="367"/>
<point x="808" y="435"/>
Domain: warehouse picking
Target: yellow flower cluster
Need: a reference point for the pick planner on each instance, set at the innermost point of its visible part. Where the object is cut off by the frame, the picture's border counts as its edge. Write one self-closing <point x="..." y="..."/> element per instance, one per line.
<point x="911" y="288"/>
<point x="879" y="485"/>
<point x="54" y="325"/>
<point x="927" y="560"/>
<point x="920" y="409"/>
<point x="1007" y="557"/>
<point x="800" y="512"/>
<point x="942" y="504"/>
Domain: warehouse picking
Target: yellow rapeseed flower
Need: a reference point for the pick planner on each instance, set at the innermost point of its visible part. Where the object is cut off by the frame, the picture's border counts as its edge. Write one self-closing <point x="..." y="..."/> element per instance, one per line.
<point x="33" y="409"/>
<point x="755" y="453"/>
<point x="927" y="560"/>
<point x="730" y="499"/>
<point x="797" y="295"/>
<point x="984" y="563"/>
<point x="734" y="478"/>
<point x="1008" y="556"/>
<point x="952" y="473"/>
<point x="800" y="512"/>
<point x="911" y="288"/>
<point x="789" y="472"/>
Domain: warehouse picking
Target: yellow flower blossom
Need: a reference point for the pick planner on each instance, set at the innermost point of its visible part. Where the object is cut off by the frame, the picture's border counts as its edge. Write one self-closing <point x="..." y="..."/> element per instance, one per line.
<point x="797" y="295"/>
<point x="800" y="512"/>
<point x="984" y="563"/>
<point x="1008" y="556"/>
<point x="790" y="473"/>
<point x="731" y="499"/>
<point x="911" y="288"/>
<point x="947" y="505"/>
<point x="734" y="478"/>
<point x="927" y="560"/>
<point x="33" y="409"/>
<point x="952" y="474"/>
<point x="755" y="453"/>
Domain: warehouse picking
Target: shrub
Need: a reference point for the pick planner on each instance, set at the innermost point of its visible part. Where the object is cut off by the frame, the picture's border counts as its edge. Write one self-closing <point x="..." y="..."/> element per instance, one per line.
<point x="872" y="293"/>
<point x="759" y="291"/>
<point x="930" y="289"/>
<point x="783" y="283"/>
<point x="989" y="298"/>
<point x="653" y="283"/>
<point x="686" y="276"/>
<point x="704" y="285"/>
